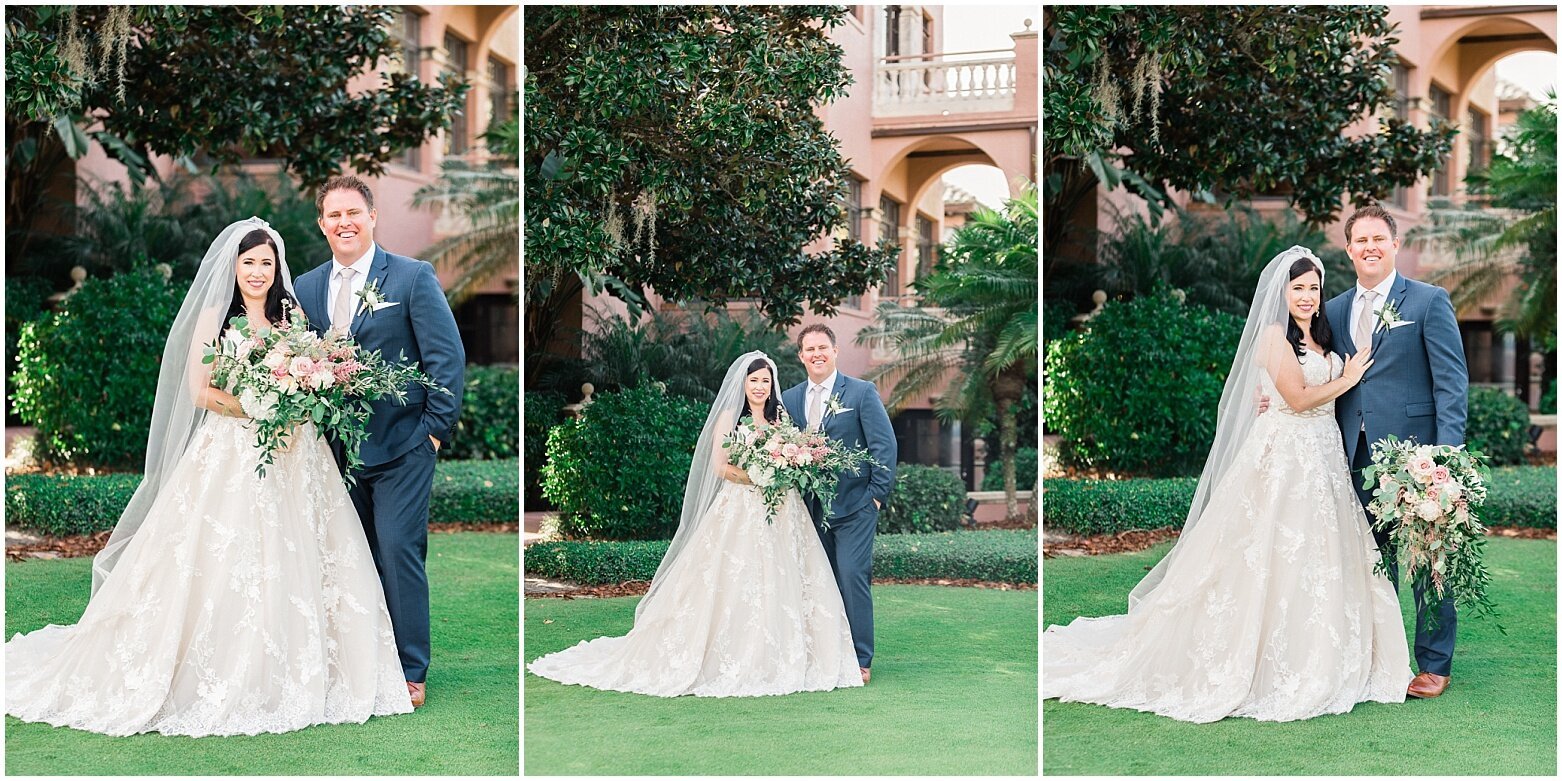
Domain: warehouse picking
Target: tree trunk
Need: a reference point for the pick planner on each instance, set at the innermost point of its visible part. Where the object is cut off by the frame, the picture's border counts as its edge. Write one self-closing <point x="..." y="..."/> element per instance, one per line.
<point x="1008" y="389"/>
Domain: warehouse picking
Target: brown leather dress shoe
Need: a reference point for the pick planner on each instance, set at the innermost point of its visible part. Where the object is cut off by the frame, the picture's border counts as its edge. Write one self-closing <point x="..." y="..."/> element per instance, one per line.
<point x="866" y="674"/>
<point x="416" y="692"/>
<point x="1427" y="685"/>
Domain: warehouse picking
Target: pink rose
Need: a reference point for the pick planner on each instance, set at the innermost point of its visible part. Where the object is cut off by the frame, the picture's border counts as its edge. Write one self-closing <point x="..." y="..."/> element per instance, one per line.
<point x="279" y="372"/>
<point x="1421" y="466"/>
<point x="1440" y="475"/>
<point x="789" y="450"/>
<point x="301" y="366"/>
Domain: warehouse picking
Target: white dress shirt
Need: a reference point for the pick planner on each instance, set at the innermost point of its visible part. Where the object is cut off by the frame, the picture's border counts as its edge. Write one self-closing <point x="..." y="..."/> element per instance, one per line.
<point x="1383" y="288"/>
<point x="360" y="269"/>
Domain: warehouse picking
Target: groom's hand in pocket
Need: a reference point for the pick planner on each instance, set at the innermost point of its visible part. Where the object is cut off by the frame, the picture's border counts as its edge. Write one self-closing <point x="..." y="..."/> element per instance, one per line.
<point x="436" y="442"/>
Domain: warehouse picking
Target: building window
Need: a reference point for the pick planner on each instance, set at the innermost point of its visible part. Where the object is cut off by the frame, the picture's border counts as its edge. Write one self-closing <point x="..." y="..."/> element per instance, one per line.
<point x="1442" y="107"/>
<point x="499" y="90"/>
<point x="889" y="230"/>
<point x="854" y="208"/>
<point x="456" y="137"/>
<point x="1401" y="76"/>
<point x="411" y="34"/>
<point x="488" y="324"/>
<point x="1480" y="142"/>
<point x="927" y="248"/>
<point x="891" y="31"/>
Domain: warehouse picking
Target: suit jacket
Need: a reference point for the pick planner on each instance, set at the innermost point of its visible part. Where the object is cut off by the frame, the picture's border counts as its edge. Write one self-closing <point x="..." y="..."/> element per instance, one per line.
<point x="864" y="424"/>
<point x="420" y="329"/>
<point x="1418" y="381"/>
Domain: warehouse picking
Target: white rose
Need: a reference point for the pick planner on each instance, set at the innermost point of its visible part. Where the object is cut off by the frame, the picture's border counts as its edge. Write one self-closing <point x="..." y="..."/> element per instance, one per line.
<point x="762" y="476"/>
<point x="273" y="359"/>
<point x="1429" y="510"/>
<point x="322" y="379"/>
<point x="804" y="457"/>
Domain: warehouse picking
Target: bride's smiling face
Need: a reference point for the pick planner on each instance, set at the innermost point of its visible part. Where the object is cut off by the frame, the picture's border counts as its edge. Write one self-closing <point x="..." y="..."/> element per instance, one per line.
<point x="757" y="387"/>
<point x="256" y="271"/>
<point x="1302" y="296"/>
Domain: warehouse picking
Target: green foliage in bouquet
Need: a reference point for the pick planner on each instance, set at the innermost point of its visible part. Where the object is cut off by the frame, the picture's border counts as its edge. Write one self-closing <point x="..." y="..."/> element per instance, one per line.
<point x="87" y="374"/>
<point x="1427" y="498"/>
<point x="489" y="416"/>
<point x="1497" y="424"/>
<point x="618" y="471"/>
<point x="925" y="499"/>
<point x="1133" y="392"/>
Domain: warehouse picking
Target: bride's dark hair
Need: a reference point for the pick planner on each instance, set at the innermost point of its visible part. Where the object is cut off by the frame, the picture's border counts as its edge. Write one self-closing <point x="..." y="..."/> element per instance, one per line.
<point x="274" y="297"/>
<point x="772" y="402"/>
<point x="1320" y="325"/>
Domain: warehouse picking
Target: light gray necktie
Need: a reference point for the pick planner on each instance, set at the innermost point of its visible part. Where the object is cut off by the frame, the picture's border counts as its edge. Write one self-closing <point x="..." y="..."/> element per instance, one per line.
<point x="341" y="309"/>
<point x="815" y="406"/>
<point x="1364" y="319"/>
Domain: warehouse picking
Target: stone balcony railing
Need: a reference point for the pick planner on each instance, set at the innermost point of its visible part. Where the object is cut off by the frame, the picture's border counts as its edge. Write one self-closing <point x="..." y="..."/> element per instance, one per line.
<point x="944" y="83"/>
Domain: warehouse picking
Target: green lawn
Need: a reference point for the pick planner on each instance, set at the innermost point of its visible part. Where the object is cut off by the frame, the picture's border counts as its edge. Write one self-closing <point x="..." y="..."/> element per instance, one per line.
<point x="953" y="693"/>
<point x="1499" y="716"/>
<point x="468" y="727"/>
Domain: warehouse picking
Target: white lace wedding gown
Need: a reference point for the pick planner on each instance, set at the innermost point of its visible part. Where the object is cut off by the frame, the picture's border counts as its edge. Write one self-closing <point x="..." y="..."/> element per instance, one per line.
<point x="749" y="609"/>
<point x="1271" y="610"/>
<point x="242" y="605"/>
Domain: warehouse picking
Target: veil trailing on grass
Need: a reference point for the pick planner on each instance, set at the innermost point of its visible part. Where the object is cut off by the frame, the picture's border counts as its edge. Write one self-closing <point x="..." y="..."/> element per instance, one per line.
<point x="710" y="460"/>
<point x="1238" y="410"/>
<point x="175" y="415"/>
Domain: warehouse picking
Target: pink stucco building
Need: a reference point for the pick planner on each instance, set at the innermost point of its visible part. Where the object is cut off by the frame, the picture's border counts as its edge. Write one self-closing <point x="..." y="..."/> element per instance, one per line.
<point x="914" y="112"/>
<point x="482" y="43"/>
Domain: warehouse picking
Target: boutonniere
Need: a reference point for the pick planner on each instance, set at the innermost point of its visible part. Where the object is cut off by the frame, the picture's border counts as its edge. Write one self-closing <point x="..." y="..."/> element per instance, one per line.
<point x="372" y="300"/>
<point x="1389" y="317"/>
<point x="833" y="405"/>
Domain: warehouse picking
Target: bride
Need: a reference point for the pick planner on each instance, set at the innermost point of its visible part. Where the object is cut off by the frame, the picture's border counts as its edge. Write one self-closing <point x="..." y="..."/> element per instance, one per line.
<point x="739" y="606"/>
<point x="225" y="603"/>
<point x="1267" y="607"/>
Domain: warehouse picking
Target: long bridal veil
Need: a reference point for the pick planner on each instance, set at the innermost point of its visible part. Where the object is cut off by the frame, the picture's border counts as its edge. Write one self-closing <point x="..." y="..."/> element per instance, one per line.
<point x="175" y="416"/>
<point x="1238" y="409"/>
<point x="705" y="479"/>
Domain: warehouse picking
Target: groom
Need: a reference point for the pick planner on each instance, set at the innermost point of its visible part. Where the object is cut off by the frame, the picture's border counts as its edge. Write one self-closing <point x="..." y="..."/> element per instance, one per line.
<point x="850" y="412"/>
<point x="1415" y="388"/>
<point x="394" y="305"/>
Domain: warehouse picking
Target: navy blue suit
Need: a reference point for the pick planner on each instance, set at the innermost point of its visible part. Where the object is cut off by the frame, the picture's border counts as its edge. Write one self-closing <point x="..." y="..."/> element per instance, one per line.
<point x="854" y="520"/>
<point x="392" y="491"/>
<point x="1416" y="388"/>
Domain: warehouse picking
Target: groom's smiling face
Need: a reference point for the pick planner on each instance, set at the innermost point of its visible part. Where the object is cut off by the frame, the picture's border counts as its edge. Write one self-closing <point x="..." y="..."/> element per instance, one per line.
<point x="1373" y="248"/>
<point x="348" y="224"/>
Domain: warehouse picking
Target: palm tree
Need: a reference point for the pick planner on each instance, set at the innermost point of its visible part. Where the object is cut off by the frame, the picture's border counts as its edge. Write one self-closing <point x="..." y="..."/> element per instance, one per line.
<point x="489" y="196"/>
<point x="1513" y="236"/>
<point x="977" y="319"/>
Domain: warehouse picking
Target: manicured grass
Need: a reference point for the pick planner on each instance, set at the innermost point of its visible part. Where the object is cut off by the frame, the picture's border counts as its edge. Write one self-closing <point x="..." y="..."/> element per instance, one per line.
<point x="468" y="727"/>
<point x="953" y="693"/>
<point x="1498" y="717"/>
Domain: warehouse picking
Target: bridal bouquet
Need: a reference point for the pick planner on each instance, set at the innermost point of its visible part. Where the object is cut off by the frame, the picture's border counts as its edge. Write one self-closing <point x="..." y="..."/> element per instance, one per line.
<point x="783" y="456"/>
<point x="1427" y="498"/>
<point x="287" y="375"/>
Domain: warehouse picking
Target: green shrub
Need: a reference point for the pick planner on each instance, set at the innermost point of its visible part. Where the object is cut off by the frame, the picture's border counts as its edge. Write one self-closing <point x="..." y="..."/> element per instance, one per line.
<point x="1548" y="400"/>
<point x="1025" y="471"/>
<point x="1498" y="425"/>
<point x="487" y="425"/>
<point x="618" y="471"/>
<point x="486" y="491"/>
<point x="1055" y="315"/>
<point x="925" y="499"/>
<point x="87" y="374"/>
<point x="540" y="412"/>
<point x="1516" y="496"/>
<point x="1522" y="496"/>
<point x="1006" y="556"/>
<point x="463" y="492"/>
<point x="26" y="299"/>
<point x="1136" y="391"/>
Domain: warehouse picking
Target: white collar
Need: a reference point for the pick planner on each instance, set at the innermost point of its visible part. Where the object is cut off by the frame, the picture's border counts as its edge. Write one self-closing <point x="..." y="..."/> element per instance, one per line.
<point x="1383" y="288"/>
<point x="360" y="265"/>
<point x="829" y="382"/>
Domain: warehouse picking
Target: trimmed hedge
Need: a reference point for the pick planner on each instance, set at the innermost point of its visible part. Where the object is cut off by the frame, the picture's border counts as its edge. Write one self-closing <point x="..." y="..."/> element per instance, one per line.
<point x="1000" y="555"/>
<point x="1516" y="496"/>
<point x="925" y="499"/>
<point x="540" y="412"/>
<point x="463" y="492"/>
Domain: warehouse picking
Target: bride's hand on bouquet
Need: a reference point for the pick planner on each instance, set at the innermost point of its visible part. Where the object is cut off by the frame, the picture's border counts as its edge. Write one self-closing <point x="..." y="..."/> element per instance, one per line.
<point x="738" y="475"/>
<point x="1357" y="365"/>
